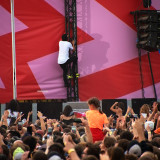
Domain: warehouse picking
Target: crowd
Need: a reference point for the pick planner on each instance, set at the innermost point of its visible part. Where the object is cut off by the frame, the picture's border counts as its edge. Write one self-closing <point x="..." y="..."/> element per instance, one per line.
<point x="121" y="136"/>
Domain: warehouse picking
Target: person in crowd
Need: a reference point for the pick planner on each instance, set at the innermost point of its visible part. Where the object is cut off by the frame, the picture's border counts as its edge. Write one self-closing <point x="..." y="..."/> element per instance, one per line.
<point x="51" y="139"/>
<point x="3" y="157"/>
<point x="96" y="119"/>
<point x="92" y="149"/>
<point x="67" y="116"/>
<point x="144" y="111"/>
<point x="117" y="153"/>
<point x="39" y="155"/>
<point x="118" y="108"/>
<point x="131" y="157"/>
<point x="63" y="57"/>
<point x="11" y="114"/>
<point x="107" y="143"/>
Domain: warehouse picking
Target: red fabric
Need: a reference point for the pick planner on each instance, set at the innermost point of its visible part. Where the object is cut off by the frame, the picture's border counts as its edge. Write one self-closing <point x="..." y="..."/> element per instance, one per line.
<point x="115" y="7"/>
<point x="97" y="134"/>
<point x="79" y="115"/>
<point x="45" y="28"/>
<point x="157" y="131"/>
<point x="6" y="70"/>
<point x="112" y="82"/>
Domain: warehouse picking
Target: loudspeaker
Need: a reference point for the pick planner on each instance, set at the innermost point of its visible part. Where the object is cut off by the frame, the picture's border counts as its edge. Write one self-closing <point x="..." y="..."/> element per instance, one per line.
<point x="138" y="102"/>
<point x="50" y="109"/>
<point x="25" y="107"/>
<point x="148" y="30"/>
<point x="107" y="103"/>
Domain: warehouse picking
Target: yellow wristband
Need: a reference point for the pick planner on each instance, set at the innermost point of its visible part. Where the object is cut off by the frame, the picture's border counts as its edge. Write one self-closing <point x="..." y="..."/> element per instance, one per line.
<point x="71" y="150"/>
<point x="149" y="132"/>
<point x="110" y="133"/>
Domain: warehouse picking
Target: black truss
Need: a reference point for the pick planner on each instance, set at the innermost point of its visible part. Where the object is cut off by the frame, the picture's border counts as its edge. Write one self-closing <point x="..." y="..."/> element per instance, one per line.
<point x="71" y="30"/>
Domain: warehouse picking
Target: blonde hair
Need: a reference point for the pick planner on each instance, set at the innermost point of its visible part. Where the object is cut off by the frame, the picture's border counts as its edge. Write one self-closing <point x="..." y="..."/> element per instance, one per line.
<point x="145" y="109"/>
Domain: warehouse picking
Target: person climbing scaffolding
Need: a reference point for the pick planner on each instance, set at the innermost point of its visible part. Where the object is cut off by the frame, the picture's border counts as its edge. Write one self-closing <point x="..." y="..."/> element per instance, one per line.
<point x="64" y="59"/>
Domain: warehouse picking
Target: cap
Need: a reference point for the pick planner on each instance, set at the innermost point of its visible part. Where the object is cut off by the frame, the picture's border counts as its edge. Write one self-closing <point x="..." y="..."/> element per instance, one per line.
<point x="134" y="148"/>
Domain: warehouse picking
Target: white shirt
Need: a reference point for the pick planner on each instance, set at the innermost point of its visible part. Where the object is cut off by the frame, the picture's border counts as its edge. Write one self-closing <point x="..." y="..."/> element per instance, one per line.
<point x="11" y="115"/>
<point x="64" y="47"/>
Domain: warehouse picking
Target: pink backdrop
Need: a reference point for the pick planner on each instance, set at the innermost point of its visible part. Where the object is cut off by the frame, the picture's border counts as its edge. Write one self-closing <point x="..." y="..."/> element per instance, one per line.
<point x="107" y="54"/>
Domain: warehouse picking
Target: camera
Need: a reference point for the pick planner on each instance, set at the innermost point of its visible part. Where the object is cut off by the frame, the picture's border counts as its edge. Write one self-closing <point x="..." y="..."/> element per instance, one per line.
<point x="50" y="130"/>
<point x="74" y="129"/>
<point x="20" y="124"/>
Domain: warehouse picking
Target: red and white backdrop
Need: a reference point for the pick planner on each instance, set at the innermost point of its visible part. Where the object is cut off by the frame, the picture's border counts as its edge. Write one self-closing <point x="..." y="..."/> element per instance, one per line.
<point x="107" y="54"/>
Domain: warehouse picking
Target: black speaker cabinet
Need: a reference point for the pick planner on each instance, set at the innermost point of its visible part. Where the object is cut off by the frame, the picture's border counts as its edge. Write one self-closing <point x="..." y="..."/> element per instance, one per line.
<point x="25" y="107"/>
<point x="50" y="109"/>
<point x="138" y="102"/>
<point x="107" y="103"/>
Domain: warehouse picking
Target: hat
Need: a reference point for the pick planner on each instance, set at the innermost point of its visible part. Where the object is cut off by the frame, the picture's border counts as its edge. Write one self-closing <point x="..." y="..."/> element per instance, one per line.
<point x="134" y="148"/>
<point x="18" y="153"/>
<point x="54" y="156"/>
<point x="157" y="131"/>
<point x="18" y="156"/>
<point x="150" y="123"/>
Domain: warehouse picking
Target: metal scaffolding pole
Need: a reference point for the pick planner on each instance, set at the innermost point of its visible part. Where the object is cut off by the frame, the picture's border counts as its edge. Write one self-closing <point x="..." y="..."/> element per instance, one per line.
<point x="71" y="30"/>
<point x="13" y="50"/>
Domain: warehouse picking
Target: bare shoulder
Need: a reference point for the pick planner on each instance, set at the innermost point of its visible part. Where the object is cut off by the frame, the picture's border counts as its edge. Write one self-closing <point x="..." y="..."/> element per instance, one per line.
<point x="73" y="117"/>
<point x="6" y="112"/>
<point x="61" y="117"/>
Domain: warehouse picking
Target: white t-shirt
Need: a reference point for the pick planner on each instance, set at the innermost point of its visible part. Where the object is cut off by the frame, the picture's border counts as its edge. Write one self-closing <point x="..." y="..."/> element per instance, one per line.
<point x="64" y="47"/>
<point x="11" y="115"/>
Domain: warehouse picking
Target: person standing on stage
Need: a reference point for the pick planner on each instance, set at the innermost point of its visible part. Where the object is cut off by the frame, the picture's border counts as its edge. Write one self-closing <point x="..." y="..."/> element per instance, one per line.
<point x="96" y="119"/>
<point x="63" y="57"/>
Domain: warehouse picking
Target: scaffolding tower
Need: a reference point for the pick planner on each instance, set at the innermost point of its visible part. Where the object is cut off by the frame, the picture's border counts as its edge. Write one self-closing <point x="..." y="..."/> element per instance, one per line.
<point x="71" y="30"/>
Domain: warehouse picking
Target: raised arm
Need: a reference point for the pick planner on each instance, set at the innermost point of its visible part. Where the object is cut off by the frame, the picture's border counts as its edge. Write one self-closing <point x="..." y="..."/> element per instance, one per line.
<point x="155" y="109"/>
<point x="139" y="127"/>
<point x="40" y="116"/>
<point x="112" y="107"/>
<point x="4" y="118"/>
<point x="69" y="147"/>
<point x="73" y="44"/>
<point x="87" y="130"/>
